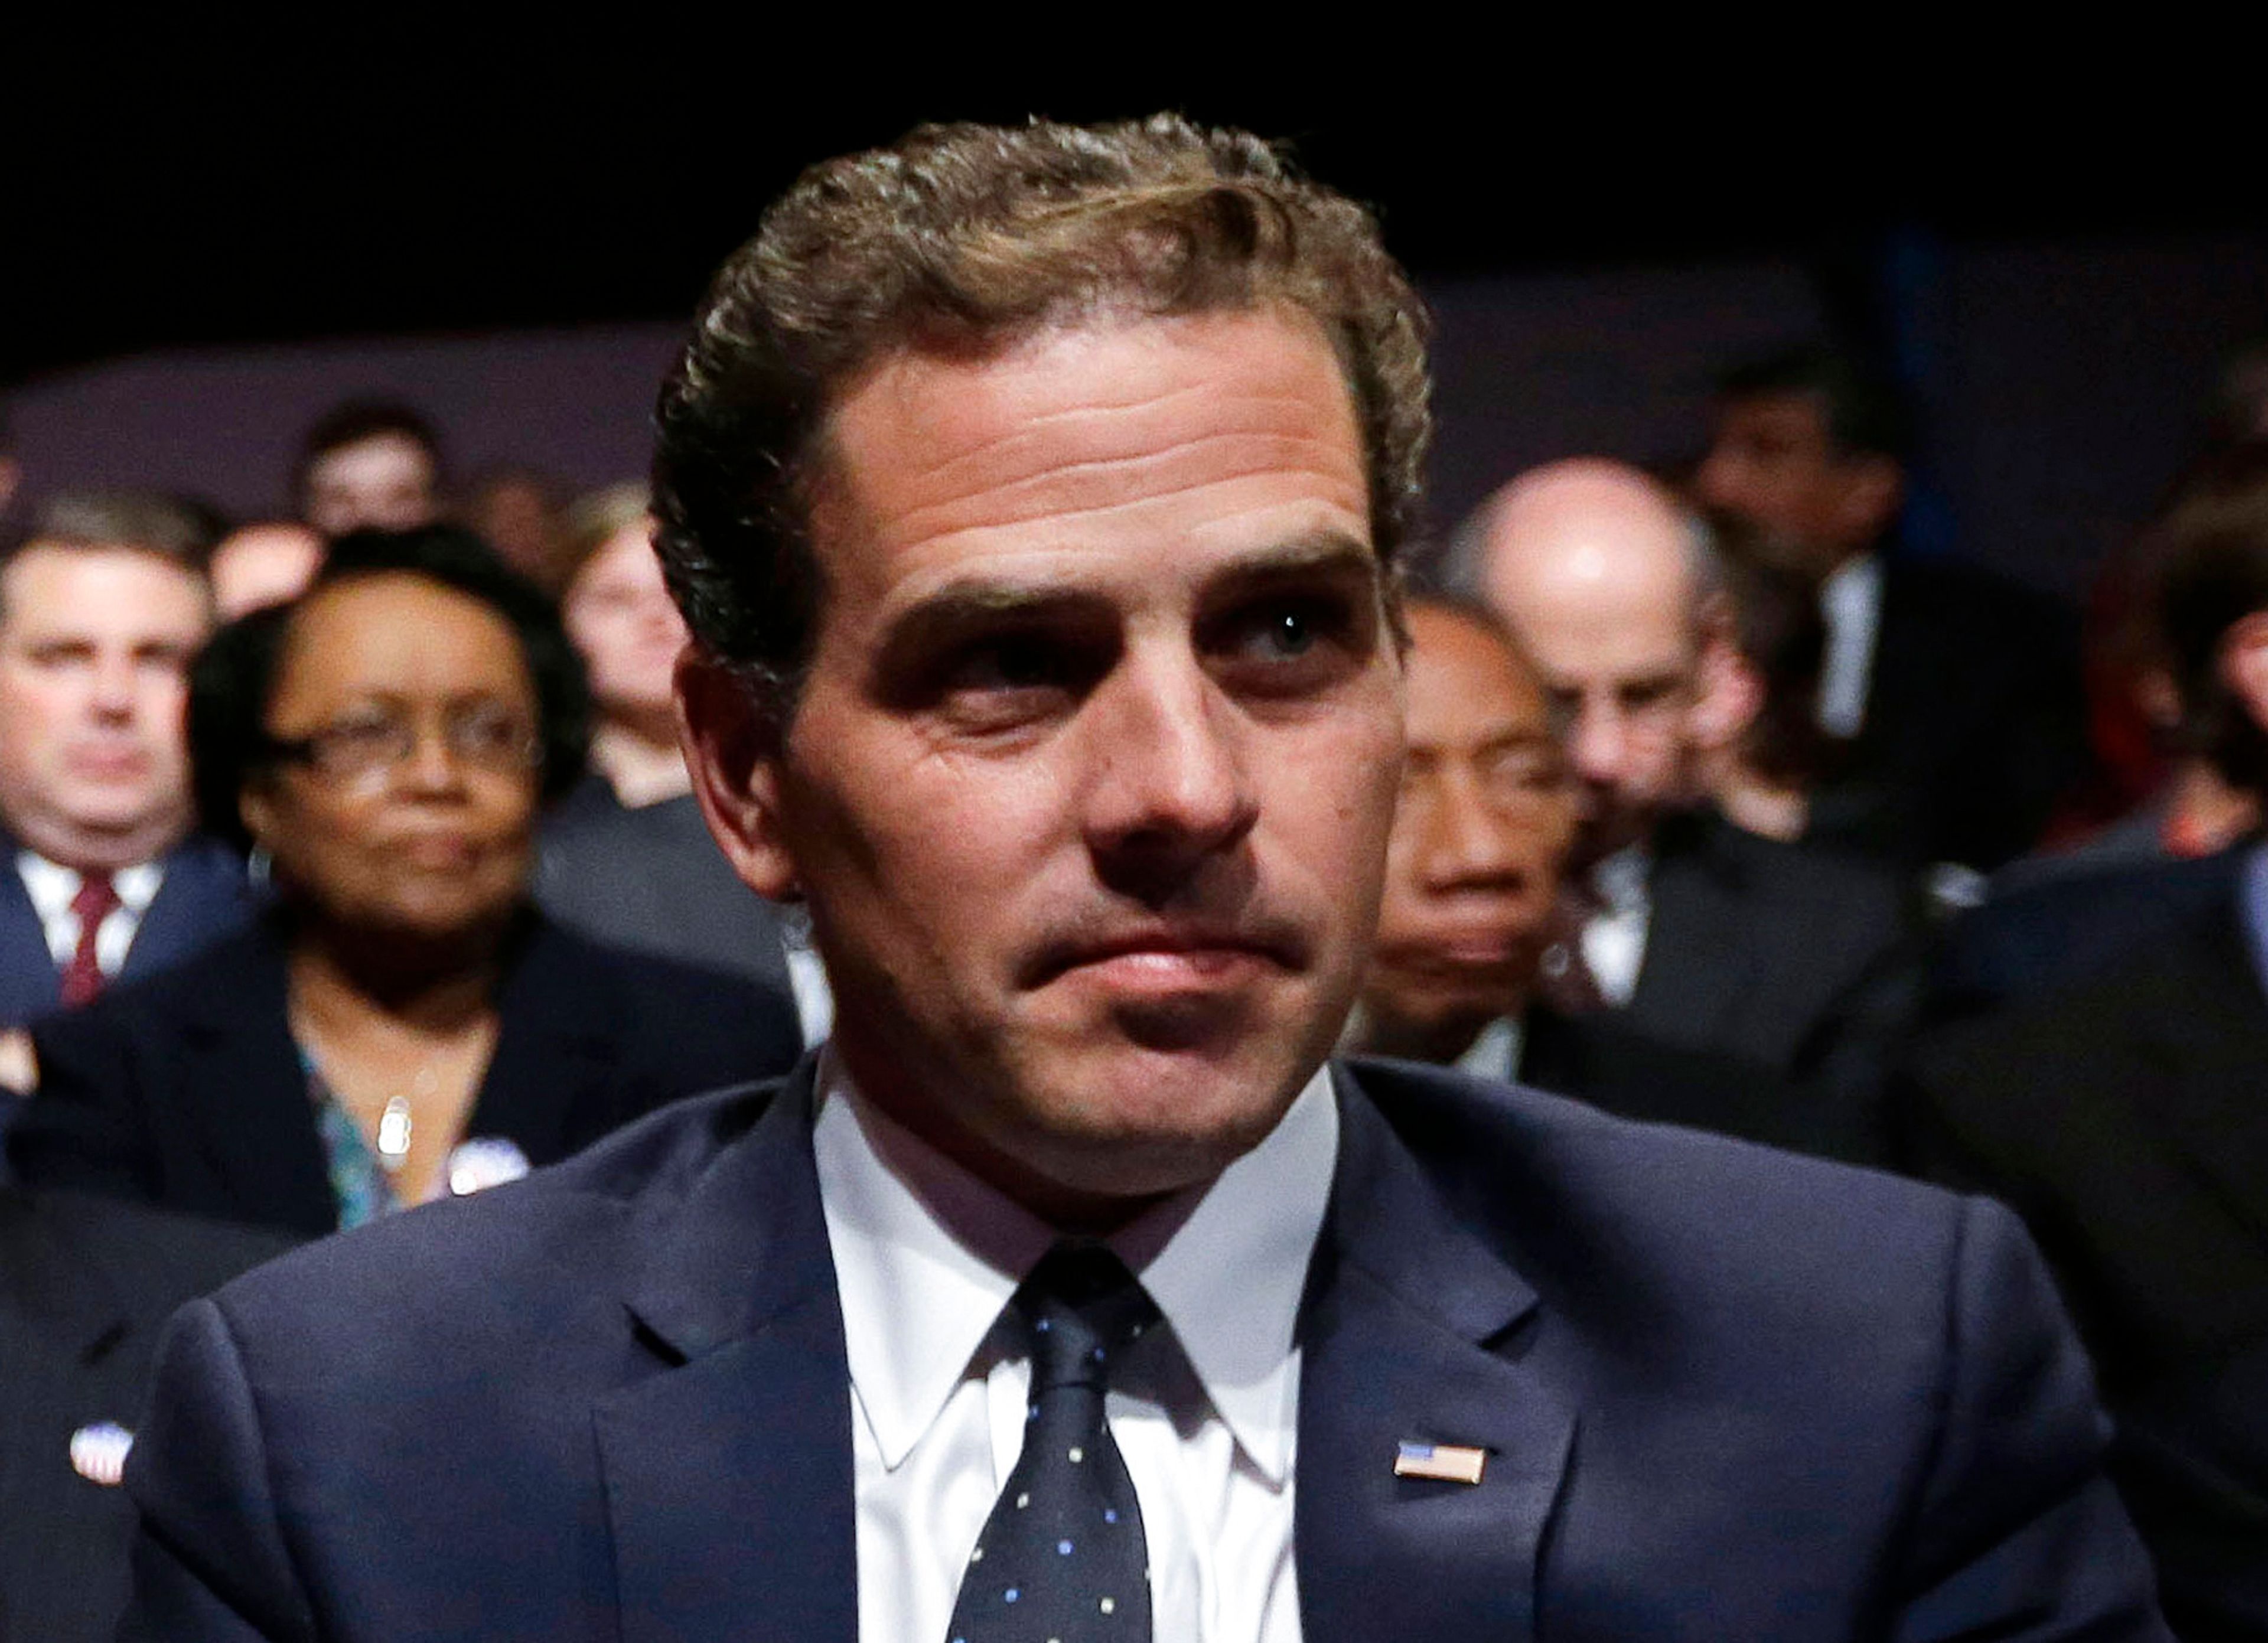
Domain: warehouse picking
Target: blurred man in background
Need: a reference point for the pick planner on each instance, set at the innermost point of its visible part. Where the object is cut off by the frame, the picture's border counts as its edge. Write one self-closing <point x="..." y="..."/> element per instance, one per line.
<point x="86" y="1285"/>
<point x="1706" y="938"/>
<point x="369" y="465"/>
<point x="2112" y="1093"/>
<point x="101" y="609"/>
<point x="1954" y="692"/>
<point x="1481" y="835"/>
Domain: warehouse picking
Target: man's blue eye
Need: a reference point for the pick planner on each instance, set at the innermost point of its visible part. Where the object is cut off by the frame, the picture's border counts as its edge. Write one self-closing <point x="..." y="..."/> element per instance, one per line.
<point x="1292" y="632"/>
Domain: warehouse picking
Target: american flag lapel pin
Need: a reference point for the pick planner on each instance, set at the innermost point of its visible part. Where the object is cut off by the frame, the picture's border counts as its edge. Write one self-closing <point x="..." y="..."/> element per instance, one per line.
<point x="1447" y="1462"/>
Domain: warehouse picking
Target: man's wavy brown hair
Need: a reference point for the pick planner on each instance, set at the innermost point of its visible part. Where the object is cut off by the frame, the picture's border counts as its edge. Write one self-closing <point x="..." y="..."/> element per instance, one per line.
<point x="965" y="238"/>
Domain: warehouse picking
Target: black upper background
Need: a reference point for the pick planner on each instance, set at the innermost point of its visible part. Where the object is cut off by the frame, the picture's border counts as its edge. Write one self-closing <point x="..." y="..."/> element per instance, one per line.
<point x="346" y="172"/>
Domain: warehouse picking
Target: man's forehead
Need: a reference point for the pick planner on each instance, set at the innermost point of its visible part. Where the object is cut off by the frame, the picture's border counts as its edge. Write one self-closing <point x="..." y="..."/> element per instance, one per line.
<point x="1047" y="425"/>
<point x="1597" y="610"/>
<point x="385" y="450"/>
<point x="1210" y="427"/>
<point x="54" y="588"/>
<point x="1796" y="415"/>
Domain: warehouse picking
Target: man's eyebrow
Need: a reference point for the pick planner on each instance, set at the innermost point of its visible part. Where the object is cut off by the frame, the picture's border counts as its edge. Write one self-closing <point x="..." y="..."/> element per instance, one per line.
<point x="978" y="605"/>
<point x="1329" y="556"/>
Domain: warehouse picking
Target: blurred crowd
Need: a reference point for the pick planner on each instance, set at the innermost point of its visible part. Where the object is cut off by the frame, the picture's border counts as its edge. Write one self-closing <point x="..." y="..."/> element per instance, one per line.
<point x="352" y="864"/>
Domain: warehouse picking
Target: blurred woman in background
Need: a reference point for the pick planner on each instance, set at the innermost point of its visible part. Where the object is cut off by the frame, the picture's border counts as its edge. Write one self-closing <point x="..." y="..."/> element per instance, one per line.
<point x="618" y="611"/>
<point x="403" y="1024"/>
<point x="627" y="857"/>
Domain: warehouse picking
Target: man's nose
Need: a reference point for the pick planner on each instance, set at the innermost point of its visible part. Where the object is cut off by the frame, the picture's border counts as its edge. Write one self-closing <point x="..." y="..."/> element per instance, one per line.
<point x="115" y="687"/>
<point x="1598" y="744"/>
<point x="1718" y="481"/>
<point x="1470" y="842"/>
<point x="1171" y="782"/>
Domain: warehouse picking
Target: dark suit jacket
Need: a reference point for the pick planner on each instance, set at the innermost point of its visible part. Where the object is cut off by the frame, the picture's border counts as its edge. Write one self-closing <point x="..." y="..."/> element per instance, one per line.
<point x="2125" y="1118"/>
<point x="201" y="898"/>
<point x="1976" y="722"/>
<point x="1797" y="960"/>
<point x="84" y="1285"/>
<point x="652" y="880"/>
<point x="1726" y="1393"/>
<point x="186" y="1089"/>
<point x="2046" y="934"/>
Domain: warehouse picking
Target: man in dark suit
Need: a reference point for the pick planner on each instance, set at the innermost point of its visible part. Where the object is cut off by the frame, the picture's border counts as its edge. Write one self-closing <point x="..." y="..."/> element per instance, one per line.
<point x="2109" y="1086"/>
<point x="1033" y="494"/>
<point x="1954" y="692"/>
<point x="101" y="607"/>
<point x="1790" y="957"/>
<point x="84" y="1285"/>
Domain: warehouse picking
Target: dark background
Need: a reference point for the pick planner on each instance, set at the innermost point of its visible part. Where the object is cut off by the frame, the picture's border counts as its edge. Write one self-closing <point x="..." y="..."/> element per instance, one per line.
<point x="2055" y="246"/>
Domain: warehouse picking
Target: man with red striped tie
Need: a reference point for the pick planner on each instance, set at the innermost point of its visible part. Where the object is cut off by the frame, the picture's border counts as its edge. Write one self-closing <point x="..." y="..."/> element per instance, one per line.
<point x="102" y="605"/>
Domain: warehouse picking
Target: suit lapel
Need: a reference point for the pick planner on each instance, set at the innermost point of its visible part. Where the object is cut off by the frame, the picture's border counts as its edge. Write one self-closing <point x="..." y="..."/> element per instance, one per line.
<point x="29" y="983"/>
<point x="728" y="1473"/>
<point x="556" y="1044"/>
<point x="243" y="1090"/>
<point x="1410" y="1333"/>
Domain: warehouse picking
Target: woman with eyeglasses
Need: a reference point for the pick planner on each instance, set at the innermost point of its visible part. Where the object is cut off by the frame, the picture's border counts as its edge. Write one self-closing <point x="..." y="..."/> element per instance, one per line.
<point x="403" y="1024"/>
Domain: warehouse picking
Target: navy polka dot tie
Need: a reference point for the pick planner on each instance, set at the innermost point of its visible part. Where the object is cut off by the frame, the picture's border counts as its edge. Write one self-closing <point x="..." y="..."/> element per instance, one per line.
<point x="1062" y="1558"/>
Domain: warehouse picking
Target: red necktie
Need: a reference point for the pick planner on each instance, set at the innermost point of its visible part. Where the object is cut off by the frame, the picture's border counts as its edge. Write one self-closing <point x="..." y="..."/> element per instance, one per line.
<point x="95" y="902"/>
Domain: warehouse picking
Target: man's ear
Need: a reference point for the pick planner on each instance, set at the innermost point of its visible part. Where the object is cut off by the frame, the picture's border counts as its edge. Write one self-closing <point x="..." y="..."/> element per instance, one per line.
<point x="733" y="747"/>
<point x="1728" y="692"/>
<point x="2244" y="664"/>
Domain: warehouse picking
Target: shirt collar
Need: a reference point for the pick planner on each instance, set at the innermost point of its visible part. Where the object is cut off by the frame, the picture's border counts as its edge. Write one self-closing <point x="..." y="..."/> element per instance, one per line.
<point x="1853" y="588"/>
<point x="51" y="886"/>
<point x="926" y="1255"/>
<point x="1619" y="879"/>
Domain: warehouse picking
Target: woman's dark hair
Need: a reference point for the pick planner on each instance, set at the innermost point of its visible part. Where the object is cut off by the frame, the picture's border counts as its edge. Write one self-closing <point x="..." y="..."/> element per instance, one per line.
<point x="2209" y="550"/>
<point x="234" y="677"/>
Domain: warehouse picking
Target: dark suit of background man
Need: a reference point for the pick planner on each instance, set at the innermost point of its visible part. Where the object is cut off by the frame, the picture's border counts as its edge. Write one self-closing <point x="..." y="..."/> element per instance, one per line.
<point x="1954" y="692"/>
<point x="1083" y="752"/>
<point x="1725" y="946"/>
<point x="2116" y="1102"/>
<point x="101" y="606"/>
<point x="85" y="1287"/>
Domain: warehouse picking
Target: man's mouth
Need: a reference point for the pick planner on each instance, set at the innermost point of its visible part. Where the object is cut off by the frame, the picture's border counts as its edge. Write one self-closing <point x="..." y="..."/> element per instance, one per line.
<point x="1170" y="957"/>
<point x="109" y="764"/>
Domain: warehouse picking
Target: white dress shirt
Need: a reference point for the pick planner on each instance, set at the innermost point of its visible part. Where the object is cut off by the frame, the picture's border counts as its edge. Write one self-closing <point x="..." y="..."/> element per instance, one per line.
<point x="1206" y="1412"/>
<point x="1495" y="1054"/>
<point x="53" y="889"/>
<point x="1614" y="938"/>
<point x="1850" y="606"/>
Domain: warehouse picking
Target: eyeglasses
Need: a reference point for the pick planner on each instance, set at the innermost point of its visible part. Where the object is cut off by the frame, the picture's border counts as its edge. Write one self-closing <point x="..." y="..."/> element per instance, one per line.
<point x="482" y="735"/>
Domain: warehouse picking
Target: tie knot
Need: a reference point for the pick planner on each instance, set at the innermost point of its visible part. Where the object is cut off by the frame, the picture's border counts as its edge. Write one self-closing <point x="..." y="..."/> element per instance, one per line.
<point x="96" y="897"/>
<point x="1080" y="1306"/>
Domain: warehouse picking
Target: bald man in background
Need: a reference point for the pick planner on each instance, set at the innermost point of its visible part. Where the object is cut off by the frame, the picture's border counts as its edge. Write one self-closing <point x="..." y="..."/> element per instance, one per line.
<point x="1787" y="958"/>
